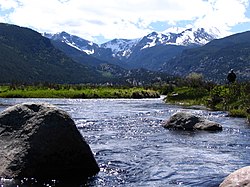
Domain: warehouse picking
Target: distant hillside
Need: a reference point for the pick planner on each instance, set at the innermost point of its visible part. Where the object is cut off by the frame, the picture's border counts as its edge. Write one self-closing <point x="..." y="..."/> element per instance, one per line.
<point x="76" y="55"/>
<point x="154" y="57"/>
<point x="114" y="73"/>
<point x="26" y="56"/>
<point x="215" y="59"/>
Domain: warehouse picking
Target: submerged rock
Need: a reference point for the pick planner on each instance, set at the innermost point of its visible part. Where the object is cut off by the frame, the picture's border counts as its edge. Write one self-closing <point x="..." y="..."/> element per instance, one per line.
<point x="188" y="121"/>
<point x="240" y="177"/>
<point x="41" y="141"/>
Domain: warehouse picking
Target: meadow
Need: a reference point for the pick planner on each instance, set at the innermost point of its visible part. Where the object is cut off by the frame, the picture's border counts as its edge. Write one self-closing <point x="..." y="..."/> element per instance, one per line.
<point x="74" y="91"/>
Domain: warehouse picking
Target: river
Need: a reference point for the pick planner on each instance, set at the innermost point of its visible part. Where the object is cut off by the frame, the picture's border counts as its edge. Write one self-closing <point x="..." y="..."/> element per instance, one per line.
<point x="133" y="149"/>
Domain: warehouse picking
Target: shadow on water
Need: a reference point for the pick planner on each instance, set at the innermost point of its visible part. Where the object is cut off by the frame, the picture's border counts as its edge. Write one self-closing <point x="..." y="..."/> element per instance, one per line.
<point x="133" y="149"/>
<point x="49" y="183"/>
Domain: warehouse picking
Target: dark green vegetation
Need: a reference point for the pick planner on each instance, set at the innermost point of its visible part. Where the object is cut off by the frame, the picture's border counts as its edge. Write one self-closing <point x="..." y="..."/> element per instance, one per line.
<point x="74" y="91"/>
<point x="234" y="98"/>
<point x="215" y="59"/>
<point x="28" y="57"/>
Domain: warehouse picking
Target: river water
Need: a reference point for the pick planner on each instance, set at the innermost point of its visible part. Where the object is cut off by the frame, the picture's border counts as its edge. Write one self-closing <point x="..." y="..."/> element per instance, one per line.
<point x="133" y="149"/>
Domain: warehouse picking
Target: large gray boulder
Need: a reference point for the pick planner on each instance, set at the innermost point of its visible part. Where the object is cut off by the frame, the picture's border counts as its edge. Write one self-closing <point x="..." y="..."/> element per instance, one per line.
<point x="41" y="141"/>
<point x="240" y="177"/>
<point x="189" y="121"/>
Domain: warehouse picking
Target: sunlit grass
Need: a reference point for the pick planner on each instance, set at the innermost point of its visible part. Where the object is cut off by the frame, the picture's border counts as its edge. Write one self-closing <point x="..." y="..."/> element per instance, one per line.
<point x="234" y="98"/>
<point x="187" y="96"/>
<point x="76" y="92"/>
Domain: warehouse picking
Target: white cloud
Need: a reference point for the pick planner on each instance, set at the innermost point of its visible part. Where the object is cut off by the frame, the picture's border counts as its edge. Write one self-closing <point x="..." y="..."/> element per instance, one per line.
<point x="119" y="18"/>
<point x="8" y="4"/>
<point x="224" y="14"/>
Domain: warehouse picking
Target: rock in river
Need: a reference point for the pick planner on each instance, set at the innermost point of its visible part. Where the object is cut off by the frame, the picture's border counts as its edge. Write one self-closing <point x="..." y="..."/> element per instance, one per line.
<point x="240" y="177"/>
<point x="188" y="121"/>
<point x="41" y="141"/>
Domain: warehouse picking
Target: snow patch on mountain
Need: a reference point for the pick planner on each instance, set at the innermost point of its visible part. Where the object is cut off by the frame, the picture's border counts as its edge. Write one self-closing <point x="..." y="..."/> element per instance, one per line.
<point x="213" y="31"/>
<point x="180" y="36"/>
<point x="155" y="38"/>
<point x="74" y="41"/>
<point x="121" y="48"/>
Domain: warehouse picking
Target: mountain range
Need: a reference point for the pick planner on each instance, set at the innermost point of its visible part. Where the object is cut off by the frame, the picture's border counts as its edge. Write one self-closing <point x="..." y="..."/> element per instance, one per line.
<point x="149" y="52"/>
<point x="28" y="56"/>
<point x="179" y="54"/>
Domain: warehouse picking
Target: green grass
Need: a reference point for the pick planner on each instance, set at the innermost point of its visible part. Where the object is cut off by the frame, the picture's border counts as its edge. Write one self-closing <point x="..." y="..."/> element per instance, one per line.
<point x="234" y="98"/>
<point x="241" y="113"/>
<point x="187" y="96"/>
<point x="75" y="92"/>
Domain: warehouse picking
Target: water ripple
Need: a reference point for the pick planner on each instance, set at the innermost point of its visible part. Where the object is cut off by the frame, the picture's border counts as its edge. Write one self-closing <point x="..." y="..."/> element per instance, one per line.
<point x="133" y="149"/>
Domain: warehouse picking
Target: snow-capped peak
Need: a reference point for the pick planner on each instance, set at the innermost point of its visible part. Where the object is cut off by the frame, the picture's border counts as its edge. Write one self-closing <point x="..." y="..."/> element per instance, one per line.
<point x="156" y="38"/>
<point x="74" y="41"/>
<point x="193" y="36"/>
<point x="213" y="31"/>
<point x="180" y="36"/>
<point x="121" y="48"/>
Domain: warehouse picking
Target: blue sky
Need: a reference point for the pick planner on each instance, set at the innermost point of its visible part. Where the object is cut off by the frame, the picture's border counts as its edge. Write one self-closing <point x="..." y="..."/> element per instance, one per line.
<point x="102" y="20"/>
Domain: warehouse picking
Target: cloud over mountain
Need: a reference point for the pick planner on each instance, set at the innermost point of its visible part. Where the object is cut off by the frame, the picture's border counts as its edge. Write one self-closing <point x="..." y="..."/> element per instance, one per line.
<point x="100" y="20"/>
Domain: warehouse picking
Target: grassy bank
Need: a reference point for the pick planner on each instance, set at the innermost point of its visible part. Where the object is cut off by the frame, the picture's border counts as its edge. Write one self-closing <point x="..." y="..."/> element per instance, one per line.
<point x="234" y="98"/>
<point x="74" y="91"/>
